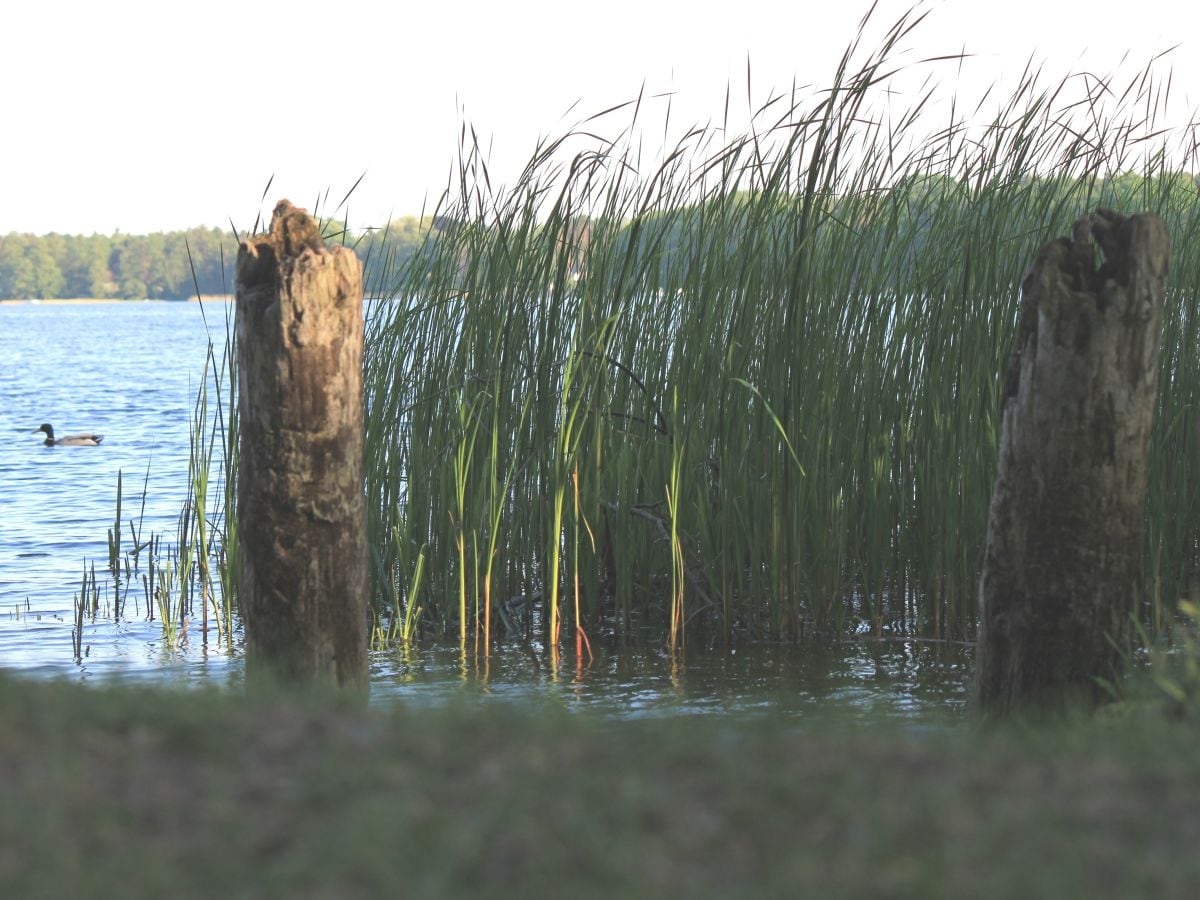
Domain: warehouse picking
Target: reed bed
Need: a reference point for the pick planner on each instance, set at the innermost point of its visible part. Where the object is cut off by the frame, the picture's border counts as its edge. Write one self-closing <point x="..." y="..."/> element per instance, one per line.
<point x="750" y="388"/>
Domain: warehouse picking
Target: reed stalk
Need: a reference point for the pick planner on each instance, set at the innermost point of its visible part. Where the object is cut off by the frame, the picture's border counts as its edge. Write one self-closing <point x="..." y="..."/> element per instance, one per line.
<point x="114" y="536"/>
<point x="678" y="563"/>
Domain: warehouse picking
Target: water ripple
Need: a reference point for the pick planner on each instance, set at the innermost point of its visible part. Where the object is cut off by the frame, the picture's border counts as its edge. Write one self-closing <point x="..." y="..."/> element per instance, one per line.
<point x="129" y="371"/>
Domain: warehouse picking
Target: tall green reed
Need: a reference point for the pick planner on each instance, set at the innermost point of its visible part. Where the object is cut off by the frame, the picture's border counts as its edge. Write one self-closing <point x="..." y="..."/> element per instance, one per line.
<point x="828" y="300"/>
<point x="86" y="604"/>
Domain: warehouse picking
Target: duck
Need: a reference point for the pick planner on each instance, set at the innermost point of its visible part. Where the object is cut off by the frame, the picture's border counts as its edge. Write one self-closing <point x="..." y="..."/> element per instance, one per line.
<point x="71" y="440"/>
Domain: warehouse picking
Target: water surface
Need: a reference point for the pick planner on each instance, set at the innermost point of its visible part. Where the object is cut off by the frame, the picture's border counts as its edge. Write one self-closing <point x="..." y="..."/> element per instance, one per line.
<point x="131" y="372"/>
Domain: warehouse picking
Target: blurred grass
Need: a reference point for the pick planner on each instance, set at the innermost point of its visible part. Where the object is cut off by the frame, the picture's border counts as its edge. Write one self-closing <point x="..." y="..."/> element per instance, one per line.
<point x="133" y="793"/>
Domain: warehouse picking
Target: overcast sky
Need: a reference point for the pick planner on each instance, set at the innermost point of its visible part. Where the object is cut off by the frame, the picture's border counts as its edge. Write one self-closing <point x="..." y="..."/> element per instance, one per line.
<point x="149" y="116"/>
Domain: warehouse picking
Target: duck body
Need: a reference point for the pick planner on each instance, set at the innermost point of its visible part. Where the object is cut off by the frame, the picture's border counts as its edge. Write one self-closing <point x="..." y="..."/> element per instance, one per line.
<point x="70" y="440"/>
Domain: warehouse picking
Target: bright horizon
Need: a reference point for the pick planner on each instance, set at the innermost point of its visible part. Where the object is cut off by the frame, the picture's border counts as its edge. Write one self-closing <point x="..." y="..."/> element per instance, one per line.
<point x="139" y="117"/>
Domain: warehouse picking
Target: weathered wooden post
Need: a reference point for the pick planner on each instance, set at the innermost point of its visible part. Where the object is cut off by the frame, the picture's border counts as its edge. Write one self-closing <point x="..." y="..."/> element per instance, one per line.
<point x="1063" y="559"/>
<point x="301" y="508"/>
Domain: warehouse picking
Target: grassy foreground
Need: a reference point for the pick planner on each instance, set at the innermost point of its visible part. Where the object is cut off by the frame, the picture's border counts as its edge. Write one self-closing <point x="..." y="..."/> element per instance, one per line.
<point x="118" y="792"/>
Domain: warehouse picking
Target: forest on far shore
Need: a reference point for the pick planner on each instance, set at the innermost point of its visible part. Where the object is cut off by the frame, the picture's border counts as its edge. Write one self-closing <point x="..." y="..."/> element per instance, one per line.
<point x="178" y="265"/>
<point x="175" y="265"/>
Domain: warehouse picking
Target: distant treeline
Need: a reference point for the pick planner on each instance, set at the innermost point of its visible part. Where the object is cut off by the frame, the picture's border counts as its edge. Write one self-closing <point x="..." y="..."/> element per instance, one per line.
<point x="172" y="266"/>
<point x="177" y="265"/>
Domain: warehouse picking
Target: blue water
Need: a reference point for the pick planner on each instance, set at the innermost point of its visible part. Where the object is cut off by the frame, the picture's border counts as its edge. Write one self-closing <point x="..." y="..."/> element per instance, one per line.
<point x="132" y="372"/>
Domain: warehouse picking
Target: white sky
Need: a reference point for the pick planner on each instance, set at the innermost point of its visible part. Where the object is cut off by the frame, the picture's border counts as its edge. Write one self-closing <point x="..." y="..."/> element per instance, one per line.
<point x="151" y="116"/>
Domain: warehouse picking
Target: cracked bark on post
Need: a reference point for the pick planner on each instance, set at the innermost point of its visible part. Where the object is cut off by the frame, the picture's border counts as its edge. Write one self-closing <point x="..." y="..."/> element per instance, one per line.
<point x="1063" y="561"/>
<point x="301" y="507"/>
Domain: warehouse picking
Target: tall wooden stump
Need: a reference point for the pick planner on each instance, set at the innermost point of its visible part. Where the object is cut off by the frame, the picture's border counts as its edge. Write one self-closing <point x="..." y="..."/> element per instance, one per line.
<point x="1063" y="560"/>
<point x="301" y="508"/>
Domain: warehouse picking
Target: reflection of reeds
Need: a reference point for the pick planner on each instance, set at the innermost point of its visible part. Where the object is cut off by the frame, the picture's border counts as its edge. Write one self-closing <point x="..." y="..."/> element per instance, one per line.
<point x="797" y="331"/>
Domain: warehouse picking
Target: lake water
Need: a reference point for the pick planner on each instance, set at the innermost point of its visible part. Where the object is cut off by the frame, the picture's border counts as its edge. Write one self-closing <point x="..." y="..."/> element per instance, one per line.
<point x="132" y="371"/>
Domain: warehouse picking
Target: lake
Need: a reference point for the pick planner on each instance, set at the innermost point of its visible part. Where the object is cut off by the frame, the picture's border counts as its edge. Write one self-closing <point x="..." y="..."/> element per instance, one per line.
<point x="131" y="371"/>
